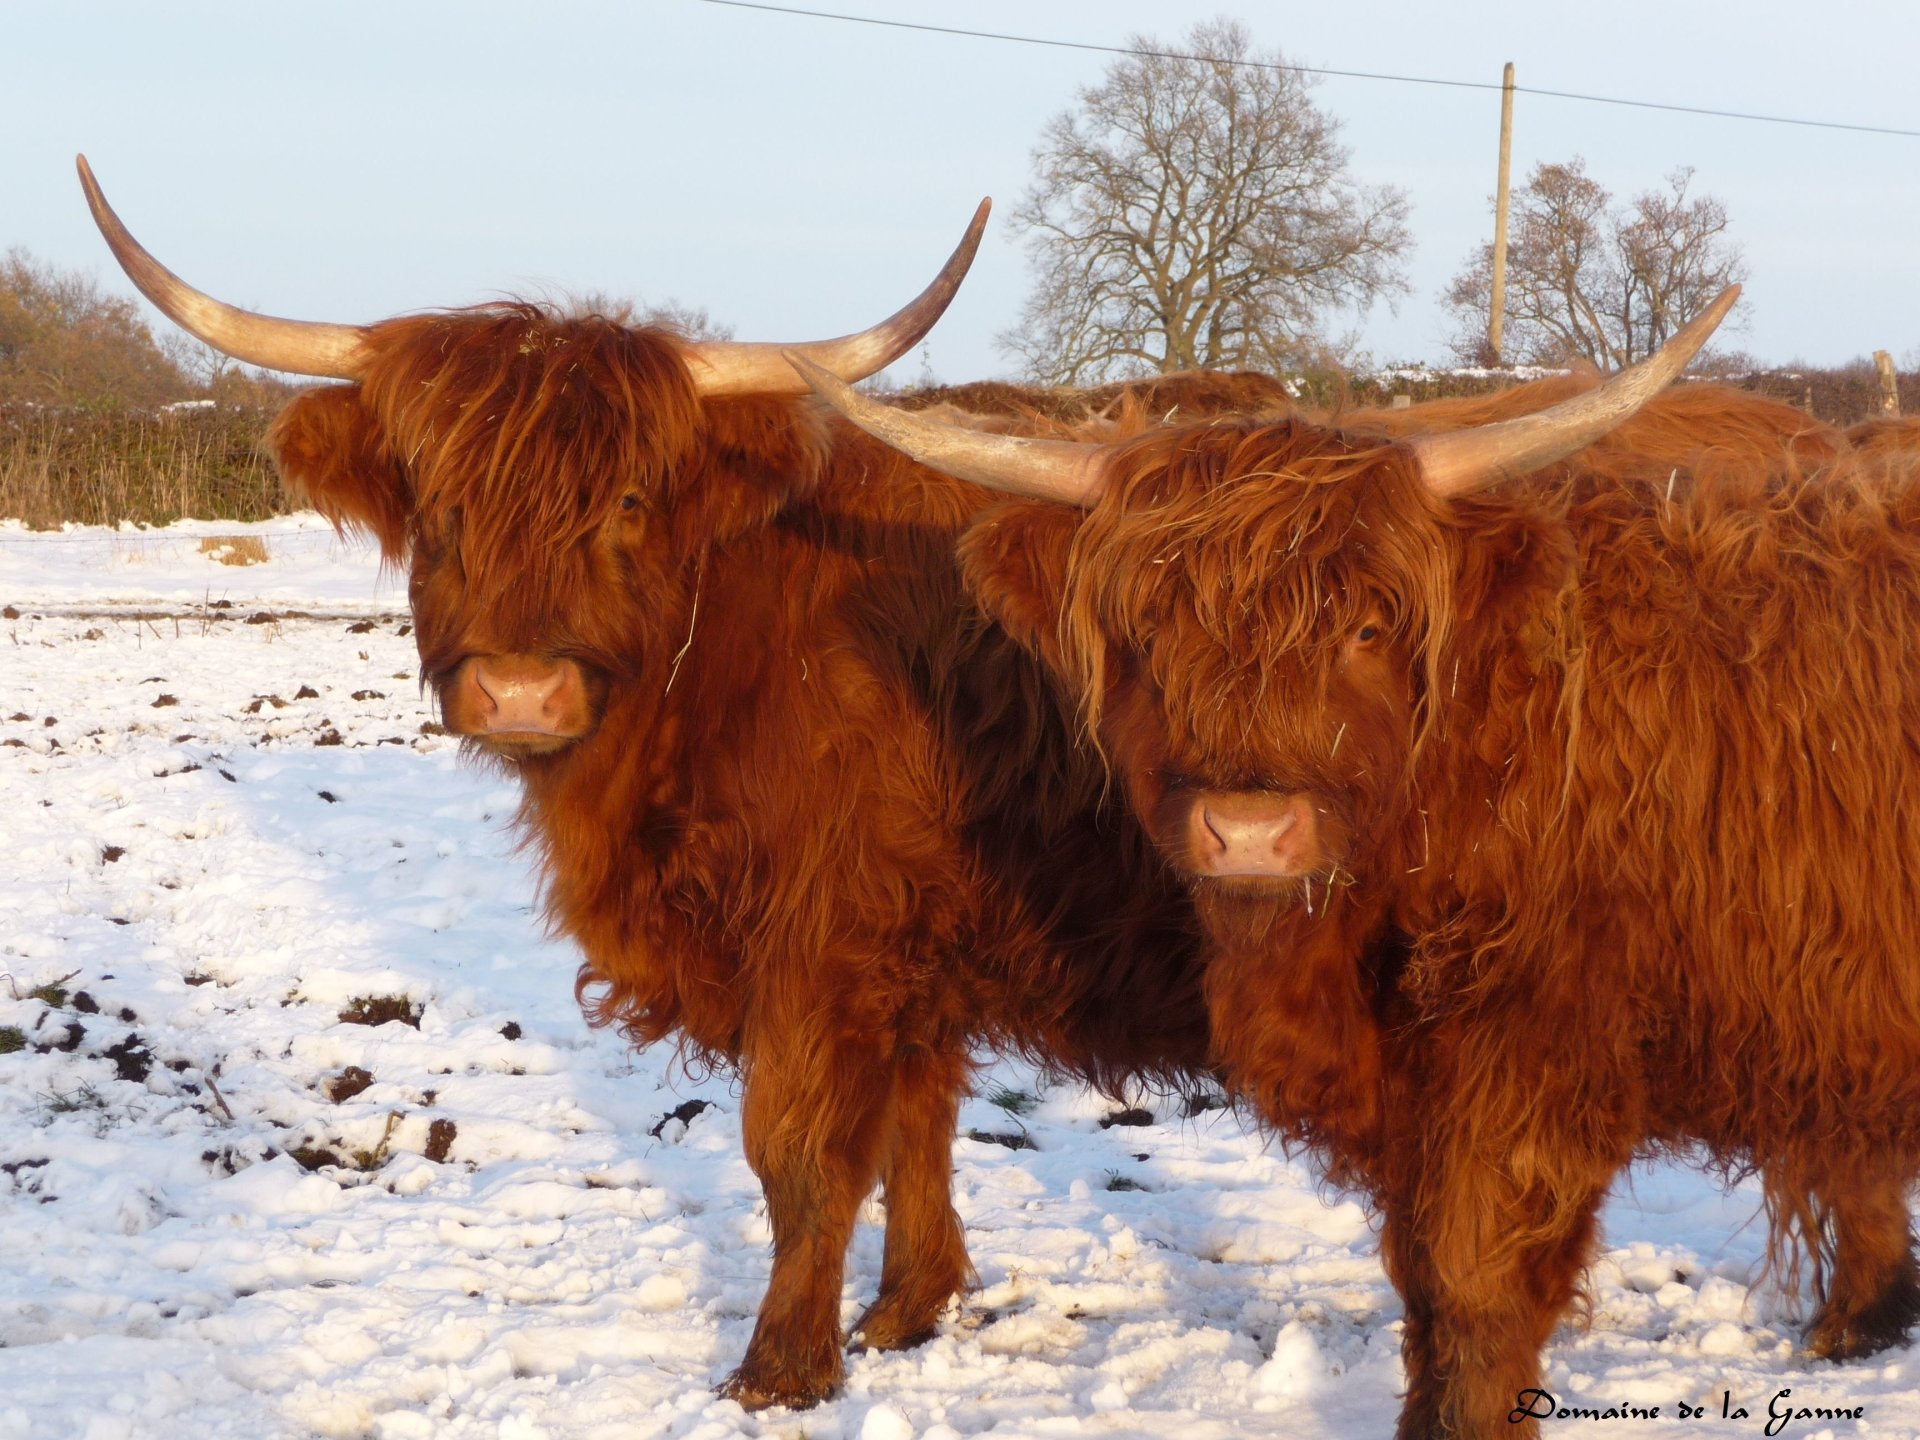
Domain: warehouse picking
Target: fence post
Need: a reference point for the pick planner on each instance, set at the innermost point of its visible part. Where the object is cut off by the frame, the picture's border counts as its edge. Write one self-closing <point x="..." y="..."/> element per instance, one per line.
<point x="1497" y="309"/>
<point x="1889" y="383"/>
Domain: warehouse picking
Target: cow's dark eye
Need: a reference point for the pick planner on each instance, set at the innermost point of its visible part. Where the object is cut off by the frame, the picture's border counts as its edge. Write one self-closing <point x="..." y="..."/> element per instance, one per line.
<point x="1366" y="633"/>
<point x="629" y="501"/>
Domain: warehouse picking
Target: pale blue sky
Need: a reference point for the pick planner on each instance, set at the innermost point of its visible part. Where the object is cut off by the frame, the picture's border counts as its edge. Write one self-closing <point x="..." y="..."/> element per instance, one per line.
<point x="800" y="177"/>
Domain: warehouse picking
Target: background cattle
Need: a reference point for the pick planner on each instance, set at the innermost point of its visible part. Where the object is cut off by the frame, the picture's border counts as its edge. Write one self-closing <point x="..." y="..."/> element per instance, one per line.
<point x="1886" y="438"/>
<point x="799" y="805"/>
<point x="1163" y="397"/>
<point x="1532" y="825"/>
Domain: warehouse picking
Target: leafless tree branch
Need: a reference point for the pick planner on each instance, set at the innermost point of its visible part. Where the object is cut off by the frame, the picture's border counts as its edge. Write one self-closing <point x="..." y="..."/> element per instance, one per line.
<point x="1588" y="282"/>
<point x="1196" y="213"/>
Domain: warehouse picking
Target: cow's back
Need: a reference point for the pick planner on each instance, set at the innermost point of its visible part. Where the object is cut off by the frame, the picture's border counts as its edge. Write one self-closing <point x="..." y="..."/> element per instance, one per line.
<point x="1728" y="798"/>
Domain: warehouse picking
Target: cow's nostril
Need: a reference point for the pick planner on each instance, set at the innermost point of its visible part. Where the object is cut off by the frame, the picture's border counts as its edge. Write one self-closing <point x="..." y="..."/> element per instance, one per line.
<point x="1252" y="833"/>
<point x="513" y="694"/>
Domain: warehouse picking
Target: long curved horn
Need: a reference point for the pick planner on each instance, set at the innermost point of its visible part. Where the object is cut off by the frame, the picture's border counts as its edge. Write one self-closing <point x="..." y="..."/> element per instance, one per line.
<point x="1462" y="461"/>
<point x="1062" y="470"/>
<point x="728" y="367"/>
<point x="299" y="347"/>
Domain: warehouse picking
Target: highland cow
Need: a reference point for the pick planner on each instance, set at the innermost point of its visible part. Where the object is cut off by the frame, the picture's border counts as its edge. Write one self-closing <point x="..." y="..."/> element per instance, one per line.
<point x="1887" y="438"/>
<point x="1179" y="395"/>
<point x="799" y="805"/>
<point x="1549" y="791"/>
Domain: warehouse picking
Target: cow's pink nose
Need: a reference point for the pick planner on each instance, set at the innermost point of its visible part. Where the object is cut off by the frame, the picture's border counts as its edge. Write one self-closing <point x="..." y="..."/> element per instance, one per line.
<point x="522" y="695"/>
<point x="1254" y="833"/>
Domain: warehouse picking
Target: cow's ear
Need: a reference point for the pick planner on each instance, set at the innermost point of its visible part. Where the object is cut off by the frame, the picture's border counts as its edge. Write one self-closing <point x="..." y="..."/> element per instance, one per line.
<point x="1511" y="565"/>
<point x="1512" y="628"/>
<point x="755" y="455"/>
<point x="332" y="456"/>
<point x="1014" y="561"/>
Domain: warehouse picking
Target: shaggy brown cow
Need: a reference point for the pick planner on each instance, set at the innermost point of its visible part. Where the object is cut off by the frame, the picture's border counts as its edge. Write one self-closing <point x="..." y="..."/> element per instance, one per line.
<point x="1895" y="437"/>
<point x="1181" y="394"/>
<point x="1533" y="825"/>
<point x="798" y="805"/>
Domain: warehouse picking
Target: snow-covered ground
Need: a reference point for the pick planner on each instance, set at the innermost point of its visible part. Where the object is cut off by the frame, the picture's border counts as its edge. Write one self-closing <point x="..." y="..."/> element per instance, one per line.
<point x="228" y="1210"/>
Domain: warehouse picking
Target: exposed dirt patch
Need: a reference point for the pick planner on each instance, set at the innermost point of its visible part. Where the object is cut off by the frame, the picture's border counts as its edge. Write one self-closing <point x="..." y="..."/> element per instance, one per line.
<point x="69" y="1041"/>
<point x="347" y="1084"/>
<point x="380" y="1009"/>
<point x="440" y="1137"/>
<point x="131" y="1059"/>
<point x="683" y="1115"/>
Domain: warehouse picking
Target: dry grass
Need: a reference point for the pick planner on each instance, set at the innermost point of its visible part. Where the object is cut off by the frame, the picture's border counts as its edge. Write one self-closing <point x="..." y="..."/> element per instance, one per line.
<point x="235" y="549"/>
<point x="103" y="467"/>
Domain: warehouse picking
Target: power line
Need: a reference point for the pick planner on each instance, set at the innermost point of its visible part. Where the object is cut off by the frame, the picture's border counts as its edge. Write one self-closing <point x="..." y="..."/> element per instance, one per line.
<point x="1317" y="70"/>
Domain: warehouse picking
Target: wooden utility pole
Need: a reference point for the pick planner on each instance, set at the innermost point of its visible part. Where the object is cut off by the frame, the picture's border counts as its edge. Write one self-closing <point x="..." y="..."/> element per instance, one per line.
<point x="1497" y="316"/>
<point x="1889" y="383"/>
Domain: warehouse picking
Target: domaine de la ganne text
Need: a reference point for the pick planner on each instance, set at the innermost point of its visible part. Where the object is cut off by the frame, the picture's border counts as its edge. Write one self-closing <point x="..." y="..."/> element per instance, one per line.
<point x="1535" y="1404"/>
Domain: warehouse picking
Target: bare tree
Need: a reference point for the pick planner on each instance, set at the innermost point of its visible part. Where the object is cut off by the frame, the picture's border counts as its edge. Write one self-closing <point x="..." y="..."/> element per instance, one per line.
<point x="691" y="321"/>
<point x="1193" y="210"/>
<point x="1588" y="282"/>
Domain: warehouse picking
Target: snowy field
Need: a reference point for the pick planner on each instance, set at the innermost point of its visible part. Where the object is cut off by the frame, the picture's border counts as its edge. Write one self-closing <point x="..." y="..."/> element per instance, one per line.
<point x="230" y="1206"/>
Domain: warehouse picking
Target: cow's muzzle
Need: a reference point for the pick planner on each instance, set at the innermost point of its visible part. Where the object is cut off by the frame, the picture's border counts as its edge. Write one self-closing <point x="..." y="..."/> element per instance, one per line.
<point x="1254" y="834"/>
<point x="518" y="704"/>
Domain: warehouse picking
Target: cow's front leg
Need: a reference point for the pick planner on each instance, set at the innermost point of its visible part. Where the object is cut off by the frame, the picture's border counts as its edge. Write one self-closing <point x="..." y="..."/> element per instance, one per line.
<point x="1491" y="1190"/>
<point x="1481" y="1305"/>
<point x="814" y="1119"/>
<point x="926" y="1261"/>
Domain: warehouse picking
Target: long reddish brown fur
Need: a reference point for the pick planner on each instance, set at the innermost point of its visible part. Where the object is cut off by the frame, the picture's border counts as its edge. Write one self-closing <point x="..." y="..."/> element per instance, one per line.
<point x="1618" y="772"/>
<point x="828" y="826"/>
<point x="1182" y="394"/>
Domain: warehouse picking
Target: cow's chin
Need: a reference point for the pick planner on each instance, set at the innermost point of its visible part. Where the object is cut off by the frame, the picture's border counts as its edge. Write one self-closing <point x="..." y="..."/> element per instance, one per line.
<point x="519" y="746"/>
<point x="1243" y="911"/>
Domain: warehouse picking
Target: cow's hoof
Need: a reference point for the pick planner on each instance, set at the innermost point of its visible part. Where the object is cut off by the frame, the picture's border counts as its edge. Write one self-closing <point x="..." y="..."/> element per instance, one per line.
<point x="1853" y="1340"/>
<point x="754" y="1392"/>
<point x="892" y="1324"/>
<point x="883" y="1337"/>
<point x="1879" y="1326"/>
